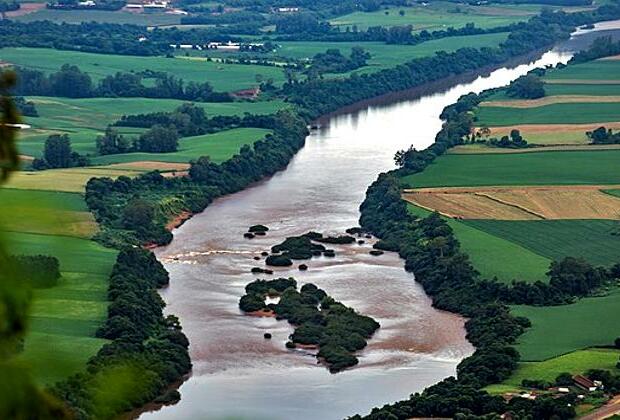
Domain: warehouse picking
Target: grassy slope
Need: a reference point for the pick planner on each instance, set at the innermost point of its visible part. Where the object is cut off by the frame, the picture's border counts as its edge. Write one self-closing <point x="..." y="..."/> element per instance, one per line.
<point x="573" y="113"/>
<point x="493" y="255"/>
<point x="558" y="330"/>
<point x="554" y="239"/>
<point x="63" y="318"/>
<point x="385" y="56"/>
<point x="223" y="77"/>
<point x="85" y="119"/>
<point x="219" y="147"/>
<point x="545" y="168"/>
<point x="577" y="362"/>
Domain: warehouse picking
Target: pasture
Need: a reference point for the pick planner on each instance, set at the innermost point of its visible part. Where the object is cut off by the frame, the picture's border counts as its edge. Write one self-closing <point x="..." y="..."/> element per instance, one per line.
<point x="577" y="362"/>
<point x="550" y="134"/>
<point x="223" y="77"/>
<point x="438" y="15"/>
<point x="85" y="119"/>
<point x="559" y="113"/>
<point x="595" y="240"/>
<point x="218" y="146"/>
<point x="554" y="328"/>
<point x="493" y="255"/>
<point x="519" y="203"/>
<point x="544" y="168"/>
<point x="554" y="89"/>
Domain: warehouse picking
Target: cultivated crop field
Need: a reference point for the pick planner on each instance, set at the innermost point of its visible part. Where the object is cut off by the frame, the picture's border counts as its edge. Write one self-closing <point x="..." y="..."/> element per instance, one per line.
<point x="103" y="16"/>
<point x="519" y="203"/>
<point x="597" y="70"/>
<point x="223" y="77"/>
<point x="67" y="180"/>
<point x="64" y="318"/>
<point x="545" y="168"/>
<point x="554" y="328"/>
<point x="559" y="113"/>
<point x="595" y="240"/>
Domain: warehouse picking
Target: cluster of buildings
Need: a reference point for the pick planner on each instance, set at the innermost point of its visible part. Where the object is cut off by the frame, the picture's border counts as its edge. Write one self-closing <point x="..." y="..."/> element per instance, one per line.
<point x="580" y="382"/>
<point x="225" y="46"/>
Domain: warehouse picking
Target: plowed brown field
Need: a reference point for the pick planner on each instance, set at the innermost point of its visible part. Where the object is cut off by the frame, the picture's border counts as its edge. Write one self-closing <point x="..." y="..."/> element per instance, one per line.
<point x="519" y="203"/>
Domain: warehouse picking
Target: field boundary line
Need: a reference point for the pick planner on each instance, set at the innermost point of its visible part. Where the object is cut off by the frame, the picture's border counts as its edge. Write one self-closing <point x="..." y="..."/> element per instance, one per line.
<point x="509" y="204"/>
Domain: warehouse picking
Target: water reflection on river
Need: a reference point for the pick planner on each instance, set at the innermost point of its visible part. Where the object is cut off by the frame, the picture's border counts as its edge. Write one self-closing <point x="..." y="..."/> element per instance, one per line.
<point x="237" y="372"/>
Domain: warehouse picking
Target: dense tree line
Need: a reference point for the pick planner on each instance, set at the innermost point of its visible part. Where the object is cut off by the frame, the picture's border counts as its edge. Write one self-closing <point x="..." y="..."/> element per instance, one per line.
<point x="147" y="351"/>
<point x="25" y="107"/>
<point x="337" y="330"/>
<point x="132" y="210"/>
<point x="69" y="81"/>
<point x="8" y="6"/>
<point x="601" y="47"/>
<point x="318" y="97"/>
<point x="332" y="61"/>
<point x="529" y="86"/>
<point x="192" y="120"/>
<point x="38" y="271"/>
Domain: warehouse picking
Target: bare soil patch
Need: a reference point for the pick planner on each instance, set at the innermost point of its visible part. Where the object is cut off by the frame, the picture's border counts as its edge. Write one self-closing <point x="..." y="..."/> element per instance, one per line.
<point x="551" y="128"/>
<point x="519" y="203"/>
<point x="25" y="9"/>
<point x="548" y="100"/>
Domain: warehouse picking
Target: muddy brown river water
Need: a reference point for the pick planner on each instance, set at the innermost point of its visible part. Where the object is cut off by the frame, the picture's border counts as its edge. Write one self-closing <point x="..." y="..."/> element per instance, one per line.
<point x="237" y="373"/>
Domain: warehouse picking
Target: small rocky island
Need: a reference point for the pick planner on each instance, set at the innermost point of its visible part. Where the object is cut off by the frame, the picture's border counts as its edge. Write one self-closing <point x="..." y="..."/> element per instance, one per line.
<point x="320" y="322"/>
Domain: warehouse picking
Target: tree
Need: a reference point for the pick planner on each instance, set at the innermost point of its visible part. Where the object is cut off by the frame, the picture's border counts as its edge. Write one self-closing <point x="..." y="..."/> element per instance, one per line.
<point x="159" y="139"/>
<point x="57" y="151"/>
<point x="71" y="82"/>
<point x="112" y="143"/>
<point x="138" y="214"/>
<point x="526" y="87"/>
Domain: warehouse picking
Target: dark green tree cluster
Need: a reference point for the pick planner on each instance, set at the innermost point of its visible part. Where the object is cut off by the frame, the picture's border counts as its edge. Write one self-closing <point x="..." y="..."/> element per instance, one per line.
<point x="337" y="330"/>
<point x="513" y="141"/>
<point x="147" y="351"/>
<point x="69" y="81"/>
<point x="332" y="61"/>
<point x="526" y="87"/>
<point x="602" y="135"/>
<point x="38" y="271"/>
<point x="57" y="153"/>
<point x="26" y="108"/>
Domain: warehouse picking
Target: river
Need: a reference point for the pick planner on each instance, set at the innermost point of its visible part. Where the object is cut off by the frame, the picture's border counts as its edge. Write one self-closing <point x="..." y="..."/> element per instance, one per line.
<point x="239" y="374"/>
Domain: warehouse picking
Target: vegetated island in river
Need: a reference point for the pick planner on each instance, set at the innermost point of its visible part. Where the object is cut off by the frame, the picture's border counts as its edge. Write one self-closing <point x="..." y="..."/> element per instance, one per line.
<point x="320" y="321"/>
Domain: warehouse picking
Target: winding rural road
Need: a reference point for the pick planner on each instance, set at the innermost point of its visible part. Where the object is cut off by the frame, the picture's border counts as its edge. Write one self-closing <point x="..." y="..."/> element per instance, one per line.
<point x="608" y="410"/>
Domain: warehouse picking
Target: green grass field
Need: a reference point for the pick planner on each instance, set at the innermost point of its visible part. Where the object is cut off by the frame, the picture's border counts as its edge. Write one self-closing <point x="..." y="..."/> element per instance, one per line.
<point x="219" y="147"/>
<point x="577" y="362"/>
<point x="558" y="330"/>
<point x="573" y="113"/>
<point x="437" y="16"/>
<point x="64" y="318"/>
<point x="85" y="119"/>
<point x="103" y="16"/>
<point x="582" y="89"/>
<point x="66" y="180"/>
<point x="493" y="255"/>
<point x="544" y="168"/>
<point x="46" y="212"/>
<point x="592" y="70"/>
<point x="223" y="77"/>
<point x="555" y="239"/>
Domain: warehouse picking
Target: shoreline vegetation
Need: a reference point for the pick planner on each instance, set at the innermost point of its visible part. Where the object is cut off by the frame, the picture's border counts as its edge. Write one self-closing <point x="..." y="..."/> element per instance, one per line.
<point x="321" y="323"/>
<point x="134" y="212"/>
